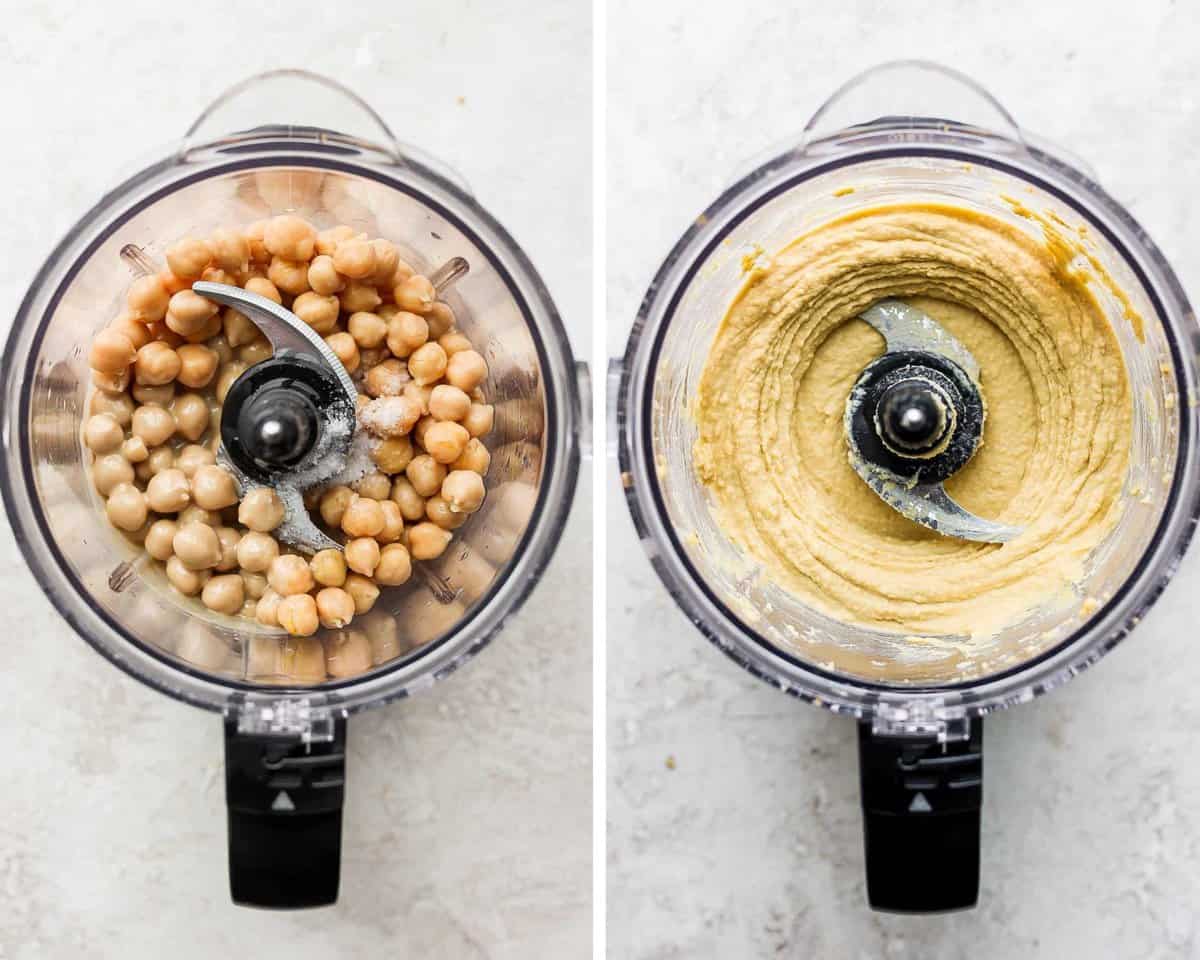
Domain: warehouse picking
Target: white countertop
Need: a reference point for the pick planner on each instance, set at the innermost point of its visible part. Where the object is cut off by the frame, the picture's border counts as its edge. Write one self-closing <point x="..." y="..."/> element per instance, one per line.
<point x="468" y="819"/>
<point x="752" y="845"/>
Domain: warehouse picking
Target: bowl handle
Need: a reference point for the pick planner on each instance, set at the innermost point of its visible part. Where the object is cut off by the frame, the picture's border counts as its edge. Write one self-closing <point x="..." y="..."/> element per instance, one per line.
<point x="921" y="802"/>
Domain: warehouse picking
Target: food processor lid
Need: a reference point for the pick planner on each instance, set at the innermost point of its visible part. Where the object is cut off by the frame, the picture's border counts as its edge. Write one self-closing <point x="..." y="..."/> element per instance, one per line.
<point x="207" y="151"/>
<point x="978" y="133"/>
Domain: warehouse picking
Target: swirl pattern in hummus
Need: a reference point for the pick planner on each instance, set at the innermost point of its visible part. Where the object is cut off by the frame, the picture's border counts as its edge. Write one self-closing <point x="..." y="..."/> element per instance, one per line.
<point x="772" y="451"/>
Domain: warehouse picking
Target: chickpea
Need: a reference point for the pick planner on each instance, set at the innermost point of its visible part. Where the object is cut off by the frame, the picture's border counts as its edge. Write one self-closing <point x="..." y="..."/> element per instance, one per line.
<point x="355" y="259"/>
<point x="229" y="539"/>
<point x="345" y="349"/>
<point x="392" y="455"/>
<point x="386" y="379"/>
<point x="393" y="522"/>
<point x="425" y="474"/>
<point x="289" y="574"/>
<point x="225" y="378"/>
<point x="134" y="450"/>
<point x="261" y="510"/>
<point x="290" y="276"/>
<point x="220" y="346"/>
<point x="427" y="364"/>
<point x="427" y="541"/>
<point x="160" y="459"/>
<point x="475" y="458"/>
<point x="188" y="312"/>
<point x="224" y="594"/>
<point x="197" y="546"/>
<point x="415" y="294"/>
<point x="387" y="259"/>
<point x="453" y="342"/>
<point x="445" y="441"/>
<point x="404" y="270"/>
<point x="395" y="566"/>
<point x="375" y="486"/>
<point x="153" y="424"/>
<point x="463" y="490"/>
<point x="160" y="331"/>
<point x="320" y="313"/>
<point x="171" y="283"/>
<point x="335" y="608"/>
<point x="369" y="330"/>
<point x="359" y="297"/>
<point x="480" y="419"/>
<point x="102" y="433"/>
<point x="126" y="506"/>
<point x="161" y="396"/>
<point x="466" y="370"/>
<point x="213" y="488"/>
<point x="147" y="299"/>
<point x="138" y="333"/>
<point x="323" y="277"/>
<point x="420" y="395"/>
<point x="390" y="416"/>
<point x="194" y="456"/>
<point x="195" y="514"/>
<point x="264" y="288"/>
<point x="266" y="611"/>
<point x="255" y="584"/>
<point x="290" y="237"/>
<point x="448" y="403"/>
<point x="362" y="591"/>
<point x="197" y="365"/>
<point x="159" y="539"/>
<point x="328" y="240"/>
<point x="362" y="555"/>
<point x="298" y="615"/>
<point x="211" y="328"/>
<point x="255" y="352"/>
<point x="119" y="407"/>
<point x="328" y="568"/>
<point x="111" y="352"/>
<point x="362" y="518"/>
<point x="183" y="578"/>
<point x="191" y="415"/>
<point x="440" y="319"/>
<point x="438" y="511"/>
<point x="188" y="257"/>
<point x="259" y="253"/>
<point x="167" y="492"/>
<point x="230" y="250"/>
<point x="333" y="504"/>
<point x="156" y="364"/>
<point x="111" y="382"/>
<point x="405" y="496"/>
<point x="406" y="332"/>
<point x="219" y="275"/>
<point x="256" y="552"/>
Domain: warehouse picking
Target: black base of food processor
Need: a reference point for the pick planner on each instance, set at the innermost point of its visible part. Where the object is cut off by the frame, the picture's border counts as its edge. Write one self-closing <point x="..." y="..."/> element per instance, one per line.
<point x="921" y="801"/>
<point x="285" y="817"/>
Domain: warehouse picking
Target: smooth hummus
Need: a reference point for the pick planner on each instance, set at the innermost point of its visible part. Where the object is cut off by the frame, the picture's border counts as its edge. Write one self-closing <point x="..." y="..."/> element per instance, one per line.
<point x="772" y="451"/>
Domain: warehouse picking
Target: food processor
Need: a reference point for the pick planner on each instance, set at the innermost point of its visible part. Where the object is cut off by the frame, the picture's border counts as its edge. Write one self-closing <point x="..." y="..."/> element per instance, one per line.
<point x="910" y="131"/>
<point x="285" y="700"/>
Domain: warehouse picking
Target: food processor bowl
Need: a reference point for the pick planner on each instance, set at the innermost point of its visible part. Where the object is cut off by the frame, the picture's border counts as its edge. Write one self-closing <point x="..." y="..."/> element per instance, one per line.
<point x="936" y="137"/>
<point x="288" y="697"/>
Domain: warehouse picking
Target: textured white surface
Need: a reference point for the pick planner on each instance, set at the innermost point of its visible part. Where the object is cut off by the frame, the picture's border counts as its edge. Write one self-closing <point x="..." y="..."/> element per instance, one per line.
<point x="752" y="846"/>
<point x="468" y="818"/>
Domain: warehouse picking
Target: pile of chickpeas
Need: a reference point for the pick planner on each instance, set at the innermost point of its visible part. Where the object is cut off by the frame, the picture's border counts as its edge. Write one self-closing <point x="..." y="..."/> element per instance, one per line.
<point x="161" y="371"/>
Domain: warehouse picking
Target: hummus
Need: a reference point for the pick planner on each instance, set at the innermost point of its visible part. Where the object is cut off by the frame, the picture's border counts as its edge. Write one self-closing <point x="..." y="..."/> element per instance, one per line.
<point x="772" y="451"/>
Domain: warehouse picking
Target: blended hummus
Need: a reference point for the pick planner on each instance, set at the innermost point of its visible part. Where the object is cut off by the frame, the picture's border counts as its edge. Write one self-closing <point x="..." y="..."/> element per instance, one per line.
<point x="772" y="450"/>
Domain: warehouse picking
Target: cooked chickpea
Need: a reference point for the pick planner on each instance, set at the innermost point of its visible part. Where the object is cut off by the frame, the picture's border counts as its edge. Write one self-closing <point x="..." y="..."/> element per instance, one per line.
<point x="256" y="552"/>
<point x="448" y="403"/>
<point x="147" y="299"/>
<point x="406" y="332"/>
<point x="162" y="396"/>
<point x="102" y="433"/>
<point x="375" y="486"/>
<point x="211" y="328"/>
<point x="195" y="514"/>
<point x="323" y="277"/>
<point x="440" y="319"/>
<point x="466" y="370"/>
<point x="119" y="407"/>
<point x="345" y="349"/>
<point x="427" y="541"/>
<point x="359" y="297"/>
<point x="159" y="539"/>
<point x="319" y="312"/>
<point x="463" y="490"/>
<point x="387" y="259"/>
<point x="404" y="270"/>
<point x="395" y="566"/>
<point x="426" y="475"/>
<point x="362" y="555"/>
<point x="328" y="568"/>
<point x="156" y="364"/>
<point x="333" y="504"/>
<point x="224" y="594"/>
<point x="213" y="488"/>
<point x="218" y="275"/>
<point x="328" y="240"/>
<point x="362" y="517"/>
<point x="289" y="574"/>
<point x="369" y="330"/>
<point x="393" y="522"/>
<point x="474" y="457"/>
<point x="191" y="415"/>
<point x="393" y="454"/>
<point x="230" y="250"/>
<point x="255" y="584"/>
<point x="453" y="342"/>
<point x="420" y="395"/>
<point x="126" y="506"/>
<point x="480" y="419"/>
<point x="229" y="539"/>
<point x="194" y="456"/>
<point x="160" y="331"/>
<point x="427" y="364"/>
<point x="183" y="578"/>
<point x="228" y="373"/>
<point x="415" y="294"/>
<point x="188" y="257"/>
<point x="220" y="346"/>
<point x="256" y="351"/>
<point x="445" y="441"/>
<point x="138" y="333"/>
<point x="266" y="611"/>
<point x="238" y="328"/>
<point x="197" y="546"/>
<point x="188" y="312"/>
<point x="160" y="459"/>
<point x="335" y="607"/>
<point x="355" y="259"/>
<point x="264" y="288"/>
<point x="405" y="496"/>
<point x="290" y="237"/>
<point x="112" y="382"/>
<point x="167" y="492"/>
<point x="134" y="450"/>
<point x="297" y="615"/>
<point x="438" y="511"/>
<point x="390" y="416"/>
<point x="197" y="365"/>
<point x="111" y="352"/>
<point x="387" y="379"/>
<point x="153" y="424"/>
<point x="362" y="590"/>
<point x="261" y="510"/>
<point x="290" y="276"/>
